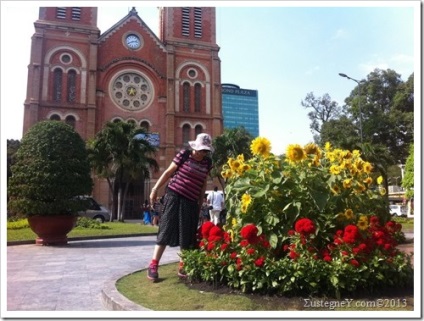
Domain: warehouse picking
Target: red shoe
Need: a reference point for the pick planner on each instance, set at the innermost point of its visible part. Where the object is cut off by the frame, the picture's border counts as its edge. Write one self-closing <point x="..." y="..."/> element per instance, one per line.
<point x="152" y="272"/>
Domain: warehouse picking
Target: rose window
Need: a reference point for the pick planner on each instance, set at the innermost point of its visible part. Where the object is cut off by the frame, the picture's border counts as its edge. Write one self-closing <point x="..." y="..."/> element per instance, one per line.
<point x="131" y="91"/>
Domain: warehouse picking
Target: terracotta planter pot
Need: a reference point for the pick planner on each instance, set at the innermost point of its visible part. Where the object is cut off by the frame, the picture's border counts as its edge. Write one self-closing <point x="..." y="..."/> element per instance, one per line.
<point x="52" y="230"/>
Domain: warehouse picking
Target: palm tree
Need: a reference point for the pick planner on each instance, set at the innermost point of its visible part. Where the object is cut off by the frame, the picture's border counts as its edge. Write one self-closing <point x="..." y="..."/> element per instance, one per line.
<point x="121" y="157"/>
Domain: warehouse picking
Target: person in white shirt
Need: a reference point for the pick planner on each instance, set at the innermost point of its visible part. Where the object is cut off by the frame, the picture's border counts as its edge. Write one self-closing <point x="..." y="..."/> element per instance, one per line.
<point x="216" y="200"/>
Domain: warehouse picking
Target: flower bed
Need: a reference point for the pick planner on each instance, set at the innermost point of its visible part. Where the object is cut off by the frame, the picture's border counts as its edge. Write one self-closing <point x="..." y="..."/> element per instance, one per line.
<point x="315" y="222"/>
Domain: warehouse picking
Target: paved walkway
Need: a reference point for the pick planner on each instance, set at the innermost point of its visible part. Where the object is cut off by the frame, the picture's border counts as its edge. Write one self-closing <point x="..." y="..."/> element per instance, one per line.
<point x="73" y="277"/>
<point x="80" y="276"/>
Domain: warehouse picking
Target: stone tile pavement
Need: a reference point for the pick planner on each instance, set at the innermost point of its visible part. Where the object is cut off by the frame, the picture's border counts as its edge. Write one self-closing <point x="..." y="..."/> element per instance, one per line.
<point x="71" y="277"/>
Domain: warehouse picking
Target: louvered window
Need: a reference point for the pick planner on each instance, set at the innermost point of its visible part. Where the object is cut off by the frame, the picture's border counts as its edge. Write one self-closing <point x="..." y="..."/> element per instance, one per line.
<point x="61" y="12"/>
<point x="76" y="13"/>
<point x="198" y="22"/>
<point x="197" y="97"/>
<point x="57" y="85"/>
<point x="186" y="134"/>
<point x="186" y="97"/>
<point x="185" y="23"/>
<point x="72" y="77"/>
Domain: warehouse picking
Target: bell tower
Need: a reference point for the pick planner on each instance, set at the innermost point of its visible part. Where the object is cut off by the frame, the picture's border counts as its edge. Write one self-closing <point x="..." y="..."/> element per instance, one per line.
<point x="193" y="73"/>
<point x="62" y="69"/>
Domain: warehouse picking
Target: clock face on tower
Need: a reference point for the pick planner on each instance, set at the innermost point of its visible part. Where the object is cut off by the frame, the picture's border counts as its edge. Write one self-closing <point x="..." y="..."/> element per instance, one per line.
<point x="131" y="91"/>
<point x="133" y="41"/>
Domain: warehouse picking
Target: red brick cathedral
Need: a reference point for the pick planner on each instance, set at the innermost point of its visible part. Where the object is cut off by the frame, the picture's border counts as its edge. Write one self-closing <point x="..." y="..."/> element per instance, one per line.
<point x="170" y="85"/>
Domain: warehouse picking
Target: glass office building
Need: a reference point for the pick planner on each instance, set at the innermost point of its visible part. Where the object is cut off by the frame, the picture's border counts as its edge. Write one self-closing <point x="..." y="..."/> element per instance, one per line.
<point x="240" y="108"/>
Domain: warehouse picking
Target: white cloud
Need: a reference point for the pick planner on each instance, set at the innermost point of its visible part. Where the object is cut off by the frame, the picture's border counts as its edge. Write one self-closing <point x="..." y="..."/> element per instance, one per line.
<point x="340" y="34"/>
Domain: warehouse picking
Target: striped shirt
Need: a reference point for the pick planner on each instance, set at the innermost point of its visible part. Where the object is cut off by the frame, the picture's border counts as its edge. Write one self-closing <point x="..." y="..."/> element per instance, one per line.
<point x="188" y="180"/>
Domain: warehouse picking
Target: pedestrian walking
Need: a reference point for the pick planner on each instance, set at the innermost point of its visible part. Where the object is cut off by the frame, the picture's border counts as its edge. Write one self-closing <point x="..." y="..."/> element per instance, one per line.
<point x="184" y="194"/>
<point x="216" y="201"/>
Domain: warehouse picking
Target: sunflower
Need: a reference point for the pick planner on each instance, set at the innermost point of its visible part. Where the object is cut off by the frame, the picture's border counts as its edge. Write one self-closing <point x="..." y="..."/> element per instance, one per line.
<point x="349" y="214"/>
<point x="362" y="225"/>
<point x="347" y="183"/>
<point x="295" y="153"/>
<point x="383" y="191"/>
<point x="380" y="180"/>
<point x="261" y="146"/>
<point x="335" y="189"/>
<point x="246" y="199"/>
<point x="367" y="167"/>
<point x="312" y="149"/>
<point x="368" y="180"/>
<point x="334" y="169"/>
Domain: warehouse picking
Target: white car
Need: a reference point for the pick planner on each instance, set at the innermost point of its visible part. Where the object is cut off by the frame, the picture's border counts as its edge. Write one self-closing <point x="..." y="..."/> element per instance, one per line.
<point x="95" y="211"/>
<point x="398" y="210"/>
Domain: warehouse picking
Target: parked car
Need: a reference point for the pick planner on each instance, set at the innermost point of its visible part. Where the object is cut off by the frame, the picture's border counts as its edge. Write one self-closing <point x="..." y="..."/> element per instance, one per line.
<point x="95" y="210"/>
<point x="398" y="210"/>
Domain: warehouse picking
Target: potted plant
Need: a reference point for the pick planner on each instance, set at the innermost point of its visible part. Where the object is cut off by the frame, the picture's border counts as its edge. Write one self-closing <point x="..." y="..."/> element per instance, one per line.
<point x="51" y="170"/>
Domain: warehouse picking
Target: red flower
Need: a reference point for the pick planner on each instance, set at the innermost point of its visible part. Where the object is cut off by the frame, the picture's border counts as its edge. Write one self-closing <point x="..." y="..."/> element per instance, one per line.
<point x="260" y="261"/>
<point x="249" y="231"/>
<point x="206" y="227"/>
<point x="214" y="238"/>
<point x="293" y="255"/>
<point x="291" y="232"/>
<point x="304" y="226"/>
<point x="351" y="233"/>
<point x="250" y="251"/>
<point x="224" y="246"/>
<point x="374" y="221"/>
<point x="210" y="246"/>
<point x="327" y="258"/>
<point x="216" y="231"/>
<point x="354" y="262"/>
<point x="244" y="243"/>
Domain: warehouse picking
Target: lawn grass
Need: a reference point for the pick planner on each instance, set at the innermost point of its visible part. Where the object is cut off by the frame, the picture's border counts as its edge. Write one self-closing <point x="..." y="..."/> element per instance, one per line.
<point x="109" y="229"/>
<point x="182" y="296"/>
<point x="128" y="228"/>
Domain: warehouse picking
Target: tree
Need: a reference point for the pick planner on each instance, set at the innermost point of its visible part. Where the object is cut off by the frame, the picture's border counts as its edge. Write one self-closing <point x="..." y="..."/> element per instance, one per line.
<point x="120" y="155"/>
<point x="232" y="142"/>
<point x="12" y="148"/>
<point x="408" y="179"/>
<point x="383" y="106"/>
<point x="340" y="132"/>
<point x="323" y="110"/>
<point x="50" y="171"/>
<point x="387" y="117"/>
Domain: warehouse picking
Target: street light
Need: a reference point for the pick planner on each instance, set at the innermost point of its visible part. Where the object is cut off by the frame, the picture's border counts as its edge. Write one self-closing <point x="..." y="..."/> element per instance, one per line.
<point x="359" y="103"/>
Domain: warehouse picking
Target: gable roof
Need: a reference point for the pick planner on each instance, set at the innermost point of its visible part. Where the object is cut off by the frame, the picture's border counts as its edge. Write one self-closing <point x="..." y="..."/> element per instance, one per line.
<point x="132" y="15"/>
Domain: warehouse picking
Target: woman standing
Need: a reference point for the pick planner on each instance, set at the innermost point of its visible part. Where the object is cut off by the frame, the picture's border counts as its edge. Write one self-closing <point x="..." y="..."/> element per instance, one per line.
<point x="187" y="176"/>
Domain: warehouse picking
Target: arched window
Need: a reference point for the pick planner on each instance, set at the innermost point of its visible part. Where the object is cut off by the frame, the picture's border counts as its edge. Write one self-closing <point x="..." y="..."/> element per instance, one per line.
<point x="145" y="125"/>
<point x="55" y="117"/>
<point x="198" y="130"/>
<point x="70" y="120"/>
<point x="197" y="97"/>
<point x="57" y="85"/>
<point x="72" y="78"/>
<point x="186" y="134"/>
<point x="117" y="120"/>
<point x="186" y="97"/>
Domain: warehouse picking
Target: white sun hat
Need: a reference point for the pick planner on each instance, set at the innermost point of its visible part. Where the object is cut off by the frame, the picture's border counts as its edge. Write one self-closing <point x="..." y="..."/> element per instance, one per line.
<point x="203" y="142"/>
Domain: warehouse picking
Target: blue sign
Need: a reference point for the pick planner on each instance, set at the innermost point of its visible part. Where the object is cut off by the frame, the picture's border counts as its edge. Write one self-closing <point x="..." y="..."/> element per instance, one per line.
<point x="152" y="139"/>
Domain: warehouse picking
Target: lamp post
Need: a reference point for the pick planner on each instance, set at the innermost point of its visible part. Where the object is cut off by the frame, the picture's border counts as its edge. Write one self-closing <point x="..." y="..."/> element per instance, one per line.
<point x="359" y="103"/>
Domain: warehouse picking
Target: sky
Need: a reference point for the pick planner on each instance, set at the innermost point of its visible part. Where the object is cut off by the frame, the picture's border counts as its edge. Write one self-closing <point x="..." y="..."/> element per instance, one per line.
<point x="282" y="49"/>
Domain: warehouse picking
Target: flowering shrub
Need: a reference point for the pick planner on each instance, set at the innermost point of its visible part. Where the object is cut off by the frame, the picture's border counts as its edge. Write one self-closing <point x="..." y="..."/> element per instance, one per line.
<point x="311" y="223"/>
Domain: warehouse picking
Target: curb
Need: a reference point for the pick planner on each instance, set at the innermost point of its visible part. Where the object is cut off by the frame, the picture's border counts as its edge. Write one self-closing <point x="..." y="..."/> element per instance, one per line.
<point x="113" y="300"/>
<point x="83" y="238"/>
